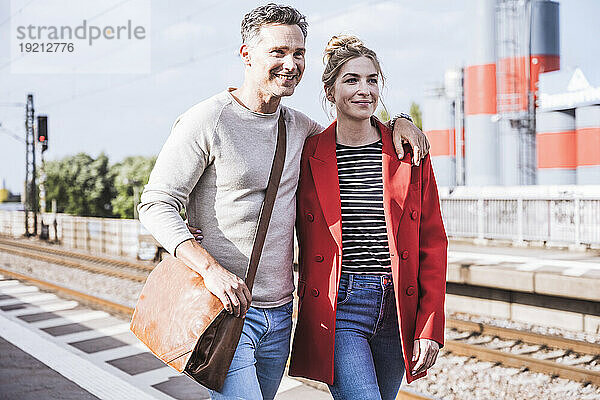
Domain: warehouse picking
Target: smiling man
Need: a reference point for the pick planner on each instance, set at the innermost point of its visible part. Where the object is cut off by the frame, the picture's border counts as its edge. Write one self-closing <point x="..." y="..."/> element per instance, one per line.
<point x="216" y="164"/>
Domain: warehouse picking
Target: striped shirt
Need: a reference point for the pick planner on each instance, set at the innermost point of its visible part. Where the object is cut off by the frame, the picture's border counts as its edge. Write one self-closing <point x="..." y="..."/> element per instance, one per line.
<point x="364" y="234"/>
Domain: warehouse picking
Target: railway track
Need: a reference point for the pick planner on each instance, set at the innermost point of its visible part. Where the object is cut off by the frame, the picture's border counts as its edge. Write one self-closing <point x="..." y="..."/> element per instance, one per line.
<point x="553" y="355"/>
<point x="136" y="272"/>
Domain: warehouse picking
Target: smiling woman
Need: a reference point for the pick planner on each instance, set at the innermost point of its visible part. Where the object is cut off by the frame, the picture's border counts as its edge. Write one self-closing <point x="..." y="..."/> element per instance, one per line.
<point x="361" y="258"/>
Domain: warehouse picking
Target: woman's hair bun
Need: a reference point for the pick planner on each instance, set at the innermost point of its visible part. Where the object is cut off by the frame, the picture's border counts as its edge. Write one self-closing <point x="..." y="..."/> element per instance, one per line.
<point x="339" y="42"/>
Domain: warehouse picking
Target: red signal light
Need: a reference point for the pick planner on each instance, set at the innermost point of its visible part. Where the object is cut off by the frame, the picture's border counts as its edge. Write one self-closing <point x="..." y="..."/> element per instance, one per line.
<point x="42" y="138"/>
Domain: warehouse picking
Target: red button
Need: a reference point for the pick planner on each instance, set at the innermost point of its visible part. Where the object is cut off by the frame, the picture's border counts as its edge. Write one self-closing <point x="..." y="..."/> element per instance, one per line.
<point x="414" y="214"/>
<point x="404" y="254"/>
<point x="410" y="290"/>
<point x="310" y="217"/>
<point x="314" y="292"/>
<point x="318" y="258"/>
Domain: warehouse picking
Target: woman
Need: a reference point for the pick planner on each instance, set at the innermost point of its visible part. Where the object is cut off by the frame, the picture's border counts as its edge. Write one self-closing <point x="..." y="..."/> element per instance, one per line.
<point x="372" y="245"/>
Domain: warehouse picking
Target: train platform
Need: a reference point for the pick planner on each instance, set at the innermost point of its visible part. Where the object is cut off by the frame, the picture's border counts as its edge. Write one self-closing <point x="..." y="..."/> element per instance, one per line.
<point x="544" y="286"/>
<point x="553" y="272"/>
<point x="54" y="348"/>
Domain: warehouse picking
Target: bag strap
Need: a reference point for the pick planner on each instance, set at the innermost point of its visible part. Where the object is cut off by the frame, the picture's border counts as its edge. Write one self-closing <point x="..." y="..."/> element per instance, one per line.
<point x="267" y="206"/>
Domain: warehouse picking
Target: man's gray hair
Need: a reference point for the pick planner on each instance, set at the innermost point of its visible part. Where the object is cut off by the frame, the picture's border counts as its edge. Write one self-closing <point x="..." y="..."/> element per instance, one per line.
<point x="271" y="14"/>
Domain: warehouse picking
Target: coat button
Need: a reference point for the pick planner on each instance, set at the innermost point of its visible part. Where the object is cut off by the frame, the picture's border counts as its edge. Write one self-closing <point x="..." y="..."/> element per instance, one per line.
<point x="314" y="292"/>
<point x="410" y="290"/>
<point x="414" y="214"/>
<point x="310" y="217"/>
<point x="318" y="258"/>
<point x="404" y="254"/>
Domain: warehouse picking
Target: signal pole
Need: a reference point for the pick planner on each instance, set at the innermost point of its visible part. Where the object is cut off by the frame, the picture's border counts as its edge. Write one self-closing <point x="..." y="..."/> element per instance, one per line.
<point x="31" y="203"/>
<point x="42" y="139"/>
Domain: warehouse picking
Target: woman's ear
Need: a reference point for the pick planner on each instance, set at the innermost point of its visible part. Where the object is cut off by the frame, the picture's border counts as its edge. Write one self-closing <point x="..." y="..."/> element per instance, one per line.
<point x="329" y="95"/>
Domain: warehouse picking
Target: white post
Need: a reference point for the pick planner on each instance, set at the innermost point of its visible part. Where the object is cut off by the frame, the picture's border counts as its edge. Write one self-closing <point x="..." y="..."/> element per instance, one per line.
<point x="577" y="217"/>
<point x="520" y="222"/>
<point x="480" y="223"/>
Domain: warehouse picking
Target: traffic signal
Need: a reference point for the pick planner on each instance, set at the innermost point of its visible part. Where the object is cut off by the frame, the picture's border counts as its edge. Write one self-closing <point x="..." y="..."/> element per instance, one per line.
<point x="42" y="132"/>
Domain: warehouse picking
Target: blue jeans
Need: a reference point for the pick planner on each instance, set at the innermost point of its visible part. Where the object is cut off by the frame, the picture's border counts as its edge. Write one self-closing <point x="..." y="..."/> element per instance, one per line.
<point x="262" y="352"/>
<point x="368" y="360"/>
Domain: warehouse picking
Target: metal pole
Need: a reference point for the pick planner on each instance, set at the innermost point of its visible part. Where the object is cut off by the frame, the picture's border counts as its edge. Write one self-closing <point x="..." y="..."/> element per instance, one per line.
<point x="459" y="116"/>
<point x="30" y="188"/>
<point x="532" y="165"/>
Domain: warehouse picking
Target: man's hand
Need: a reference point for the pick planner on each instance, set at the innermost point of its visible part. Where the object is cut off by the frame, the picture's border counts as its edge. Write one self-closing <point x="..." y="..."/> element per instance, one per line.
<point x="425" y="352"/>
<point x="228" y="287"/>
<point x="197" y="232"/>
<point x="404" y="130"/>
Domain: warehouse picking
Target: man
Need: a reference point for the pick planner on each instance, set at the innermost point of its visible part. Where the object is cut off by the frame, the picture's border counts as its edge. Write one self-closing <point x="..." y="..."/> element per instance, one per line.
<point x="216" y="165"/>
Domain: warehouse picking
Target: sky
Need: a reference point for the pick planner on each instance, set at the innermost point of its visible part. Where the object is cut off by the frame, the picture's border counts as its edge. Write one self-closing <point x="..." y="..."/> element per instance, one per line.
<point x="193" y="55"/>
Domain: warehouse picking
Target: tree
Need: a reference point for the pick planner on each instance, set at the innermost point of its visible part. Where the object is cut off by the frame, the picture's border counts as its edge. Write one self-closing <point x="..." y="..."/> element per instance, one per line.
<point x="132" y="173"/>
<point x="415" y="113"/>
<point x="383" y="115"/>
<point x="80" y="185"/>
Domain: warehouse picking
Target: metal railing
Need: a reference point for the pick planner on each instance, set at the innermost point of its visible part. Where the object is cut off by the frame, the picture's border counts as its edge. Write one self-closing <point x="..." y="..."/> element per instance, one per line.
<point x="555" y="221"/>
<point x="570" y="221"/>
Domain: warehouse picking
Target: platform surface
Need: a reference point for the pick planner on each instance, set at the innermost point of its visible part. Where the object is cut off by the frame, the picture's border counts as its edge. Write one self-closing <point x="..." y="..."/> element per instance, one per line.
<point x="54" y="348"/>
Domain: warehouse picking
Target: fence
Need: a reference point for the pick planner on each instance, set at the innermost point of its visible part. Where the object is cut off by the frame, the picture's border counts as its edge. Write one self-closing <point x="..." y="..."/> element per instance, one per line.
<point x="573" y="221"/>
<point x="117" y="237"/>
<point x="555" y="221"/>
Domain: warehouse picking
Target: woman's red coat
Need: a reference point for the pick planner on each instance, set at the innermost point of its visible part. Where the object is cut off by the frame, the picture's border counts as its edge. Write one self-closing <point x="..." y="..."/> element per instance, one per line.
<point x="416" y="239"/>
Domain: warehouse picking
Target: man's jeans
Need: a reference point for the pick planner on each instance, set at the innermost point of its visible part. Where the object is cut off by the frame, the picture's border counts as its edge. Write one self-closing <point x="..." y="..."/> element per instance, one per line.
<point x="368" y="360"/>
<point x="261" y="355"/>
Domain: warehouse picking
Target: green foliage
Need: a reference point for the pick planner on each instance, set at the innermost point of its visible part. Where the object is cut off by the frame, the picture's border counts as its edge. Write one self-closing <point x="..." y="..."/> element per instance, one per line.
<point x="132" y="172"/>
<point x="80" y="185"/>
<point x="415" y="113"/>
<point x="383" y="115"/>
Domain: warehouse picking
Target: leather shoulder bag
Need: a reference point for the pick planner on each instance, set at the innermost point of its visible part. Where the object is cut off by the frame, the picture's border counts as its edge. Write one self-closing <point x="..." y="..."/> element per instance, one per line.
<point x="183" y="323"/>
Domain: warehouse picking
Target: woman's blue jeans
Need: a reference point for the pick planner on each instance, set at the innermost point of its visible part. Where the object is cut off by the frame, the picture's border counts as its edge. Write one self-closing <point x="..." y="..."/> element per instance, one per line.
<point x="368" y="360"/>
<point x="259" y="361"/>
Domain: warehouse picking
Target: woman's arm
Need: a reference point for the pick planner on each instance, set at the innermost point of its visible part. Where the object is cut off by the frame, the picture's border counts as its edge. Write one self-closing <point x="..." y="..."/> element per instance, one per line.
<point x="433" y="245"/>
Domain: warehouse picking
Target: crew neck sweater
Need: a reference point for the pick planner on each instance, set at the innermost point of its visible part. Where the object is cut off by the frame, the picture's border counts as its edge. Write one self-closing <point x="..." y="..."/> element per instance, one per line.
<point x="216" y="164"/>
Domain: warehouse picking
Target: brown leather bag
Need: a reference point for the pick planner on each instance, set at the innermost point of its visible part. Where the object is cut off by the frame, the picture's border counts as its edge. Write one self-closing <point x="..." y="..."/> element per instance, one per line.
<point x="183" y="323"/>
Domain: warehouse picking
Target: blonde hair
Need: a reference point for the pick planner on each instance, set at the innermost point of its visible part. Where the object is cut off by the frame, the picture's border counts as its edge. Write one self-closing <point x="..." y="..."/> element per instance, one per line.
<point x="339" y="50"/>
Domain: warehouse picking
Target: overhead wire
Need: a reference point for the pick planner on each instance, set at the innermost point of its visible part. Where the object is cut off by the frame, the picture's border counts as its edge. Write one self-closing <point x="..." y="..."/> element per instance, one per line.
<point x="12" y="134"/>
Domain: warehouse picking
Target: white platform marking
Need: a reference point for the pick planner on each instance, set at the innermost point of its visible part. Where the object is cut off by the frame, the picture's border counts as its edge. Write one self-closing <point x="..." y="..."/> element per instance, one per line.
<point x="84" y="373"/>
<point x="119" y="352"/>
<point x="155" y="376"/>
<point x="96" y="333"/>
<point x="80" y="316"/>
<point x="31" y="298"/>
<point x="19" y="289"/>
<point x="288" y="384"/>
<point x="54" y="306"/>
